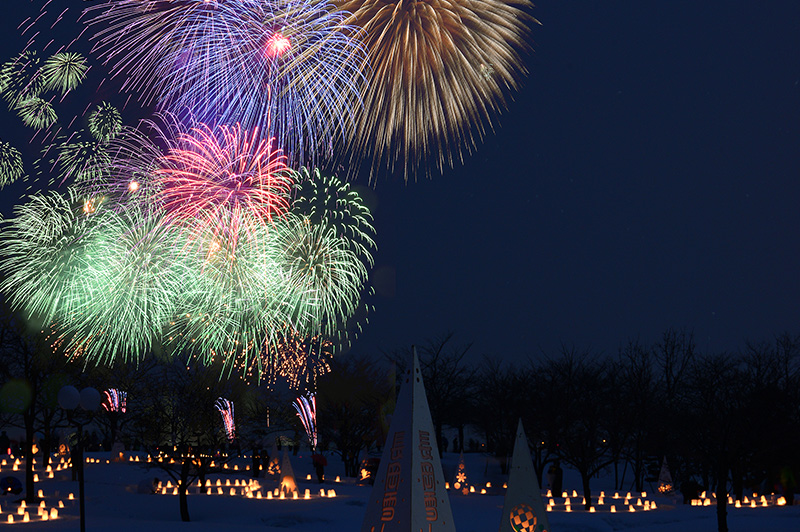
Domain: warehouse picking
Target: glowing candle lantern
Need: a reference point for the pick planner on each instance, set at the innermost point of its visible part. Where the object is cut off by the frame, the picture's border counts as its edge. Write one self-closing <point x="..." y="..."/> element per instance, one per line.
<point x="321" y="492"/>
<point x="208" y="491"/>
<point x="644" y="495"/>
<point x="549" y="493"/>
<point x="616" y="495"/>
<point x="44" y="516"/>
<point x="505" y="485"/>
<point x="706" y="502"/>
<point x="10" y="519"/>
<point x="307" y="494"/>
<point x="269" y="495"/>
<point x="258" y="495"/>
<point x="549" y="508"/>
<point x="249" y="495"/>
<point x="591" y="510"/>
<point x="565" y="494"/>
<point x="646" y="505"/>
<point x="653" y="505"/>
<point x="752" y="504"/>
<point x="308" y="477"/>
<point x="21" y="509"/>
<point x="781" y="501"/>
<point x="583" y="501"/>
<point x="703" y="495"/>
<point x="233" y="492"/>
<point x="53" y="513"/>
<point x="631" y="508"/>
<point x="60" y="504"/>
<point x="236" y="468"/>
<point x="483" y="491"/>
<point x="600" y="500"/>
<point x="50" y="475"/>
<point x="282" y="495"/>
<point x="472" y="489"/>
<point x="764" y="504"/>
<point x="227" y="482"/>
<point x="219" y="491"/>
<point x="175" y="491"/>
<point x="236" y="482"/>
<point x="613" y="509"/>
<point x="488" y="484"/>
<point x="602" y="494"/>
<point x="331" y="493"/>
<point x="763" y="499"/>
<point x="294" y="495"/>
<point x="338" y="479"/>
<point x="447" y="485"/>
<point x="40" y="494"/>
<point x="638" y="502"/>
<point x="552" y="503"/>
<point x="569" y="508"/>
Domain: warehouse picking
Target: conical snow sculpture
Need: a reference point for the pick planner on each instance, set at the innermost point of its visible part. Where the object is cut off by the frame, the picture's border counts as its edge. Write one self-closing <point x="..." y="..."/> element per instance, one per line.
<point x="523" y="510"/>
<point x="288" y="482"/>
<point x="665" y="478"/>
<point x="409" y="494"/>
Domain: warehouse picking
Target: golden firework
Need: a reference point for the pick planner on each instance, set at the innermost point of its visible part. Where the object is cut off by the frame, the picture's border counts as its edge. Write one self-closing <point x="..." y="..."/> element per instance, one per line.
<point x="441" y="70"/>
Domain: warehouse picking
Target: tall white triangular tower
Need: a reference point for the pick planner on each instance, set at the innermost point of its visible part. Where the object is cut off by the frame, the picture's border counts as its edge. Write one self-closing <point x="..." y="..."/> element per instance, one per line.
<point x="409" y="494"/>
<point x="523" y="510"/>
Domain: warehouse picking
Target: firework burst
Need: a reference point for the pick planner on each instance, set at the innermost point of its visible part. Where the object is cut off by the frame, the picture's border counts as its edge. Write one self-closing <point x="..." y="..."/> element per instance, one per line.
<point x="290" y="68"/>
<point x="11" y="167"/>
<point x="63" y="71"/>
<point x="217" y="177"/>
<point x="105" y="122"/>
<point x="440" y="66"/>
<point x="43" y="254"/>
<point x="21" y="79"/>
<point x="36" y="112"/>
<point x="134" y="278"/>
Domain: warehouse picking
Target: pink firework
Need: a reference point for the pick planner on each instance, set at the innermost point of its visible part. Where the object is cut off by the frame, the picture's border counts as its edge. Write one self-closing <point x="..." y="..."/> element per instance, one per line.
<point x="221" y="176"/>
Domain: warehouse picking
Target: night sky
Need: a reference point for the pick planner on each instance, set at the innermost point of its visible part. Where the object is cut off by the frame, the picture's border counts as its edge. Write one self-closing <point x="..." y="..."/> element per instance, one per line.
<point x="644" y="177"/>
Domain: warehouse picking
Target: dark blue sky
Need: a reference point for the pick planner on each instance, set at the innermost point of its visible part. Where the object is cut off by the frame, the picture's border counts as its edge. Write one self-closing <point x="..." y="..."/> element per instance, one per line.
<point x="645" y="177"/>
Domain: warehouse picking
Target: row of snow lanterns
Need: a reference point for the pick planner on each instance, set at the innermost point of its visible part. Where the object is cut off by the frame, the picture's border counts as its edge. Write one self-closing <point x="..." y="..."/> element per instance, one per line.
<point x="250" y="489"/>
<point x="755" y="502"/>
<point x="23" y="513"/>
<point x="641" y="504"/>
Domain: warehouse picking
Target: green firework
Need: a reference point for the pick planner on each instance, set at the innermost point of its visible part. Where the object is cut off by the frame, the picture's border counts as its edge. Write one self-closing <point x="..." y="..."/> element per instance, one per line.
<point x="81" y="161"/>
<point x="235" y="293"/>
<point x="21" y="79"/>
<point x="63" y="71"/>
<point x="42" y="254"/>
<point x="105" y="121"/>
<point x="134" y="278"/>
<point x="329" y="200"/>
<point x="36" y="112"/>
<point x="11" y="167"/>
<point x="324" y="276"/>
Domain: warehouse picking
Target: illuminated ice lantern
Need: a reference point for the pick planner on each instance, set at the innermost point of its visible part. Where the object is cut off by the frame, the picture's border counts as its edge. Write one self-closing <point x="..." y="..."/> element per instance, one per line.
<point x="523" y="519"/>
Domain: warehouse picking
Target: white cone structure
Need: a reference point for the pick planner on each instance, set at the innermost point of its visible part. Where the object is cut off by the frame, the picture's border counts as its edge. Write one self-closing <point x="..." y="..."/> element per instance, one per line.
<point x="409" y="494"/>
<point x="523" y="510"/>
<point x="288" y="482"/>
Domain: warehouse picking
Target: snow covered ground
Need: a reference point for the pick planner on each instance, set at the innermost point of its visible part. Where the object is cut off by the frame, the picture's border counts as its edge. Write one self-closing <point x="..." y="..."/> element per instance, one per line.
<point x="113" y="504"/>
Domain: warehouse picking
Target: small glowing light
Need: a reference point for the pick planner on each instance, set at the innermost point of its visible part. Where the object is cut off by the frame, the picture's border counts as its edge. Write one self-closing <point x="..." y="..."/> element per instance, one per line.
<point x="10" y="519"/>
<point x="549" y="509"/>
<point x="574" y="493"/>
<point x="447" y="485"/>
<point x="294" y="495"/>
<point x="282" y="496"/>
<point x="233" y="491"/>
<point x="613" y="509"/>
<point x="707" y="502"/>
<point x="472" y="489"/>
<point x="307" y="494"/>
<point x="308" y="477"/>
<point x="21" y="510"/>
<point x="631" y="508"/>
<point x="569" y="508"/>
<point x="60" y="504"/>
<point x="591" y="510"/>
<point x="549" y="493"/>
<point x="331" y="493"/>
<point x="277" y="45"/>
<point x="53" y="513"/>
<point x="483" y="491"/>
<point x="565" y="494"/>
<point x="653" y="505"/>
<point x="338" y="479"/>
<point x="269" y="495"/>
